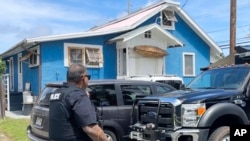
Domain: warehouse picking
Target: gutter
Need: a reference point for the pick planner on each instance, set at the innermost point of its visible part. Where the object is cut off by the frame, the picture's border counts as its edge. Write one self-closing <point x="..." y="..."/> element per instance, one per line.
<point x="19" y="47"/>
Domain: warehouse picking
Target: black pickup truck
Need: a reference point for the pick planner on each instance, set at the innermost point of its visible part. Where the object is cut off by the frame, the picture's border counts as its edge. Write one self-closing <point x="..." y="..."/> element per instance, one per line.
<point x="210" y="104"/>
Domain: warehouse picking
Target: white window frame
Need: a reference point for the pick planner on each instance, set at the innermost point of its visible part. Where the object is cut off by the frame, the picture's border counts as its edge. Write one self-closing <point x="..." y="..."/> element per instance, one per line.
<point x="84" y="47"/>
<point x="34" y="58"/>
<point x="172" y="19"/>
<point x="11" y="72"/>
<point x="184" y="64"/>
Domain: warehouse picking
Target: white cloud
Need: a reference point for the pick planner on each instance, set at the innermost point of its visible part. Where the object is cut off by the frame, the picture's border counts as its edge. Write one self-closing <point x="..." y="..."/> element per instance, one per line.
<point x="31" y="18"/>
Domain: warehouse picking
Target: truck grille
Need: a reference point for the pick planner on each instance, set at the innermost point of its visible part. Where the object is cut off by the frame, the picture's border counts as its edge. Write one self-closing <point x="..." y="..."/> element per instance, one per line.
<point x="155" y="112"/>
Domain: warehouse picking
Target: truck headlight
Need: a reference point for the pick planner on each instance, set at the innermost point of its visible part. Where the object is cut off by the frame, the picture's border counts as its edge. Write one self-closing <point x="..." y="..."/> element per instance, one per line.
<point x="191" y="114"/>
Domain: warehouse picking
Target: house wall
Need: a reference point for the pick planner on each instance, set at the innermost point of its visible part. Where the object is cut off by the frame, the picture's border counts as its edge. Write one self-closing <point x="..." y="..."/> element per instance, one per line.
<point x="52" y="60"/>
<point x="30" y="75"/>
<point x="192" y="44"/>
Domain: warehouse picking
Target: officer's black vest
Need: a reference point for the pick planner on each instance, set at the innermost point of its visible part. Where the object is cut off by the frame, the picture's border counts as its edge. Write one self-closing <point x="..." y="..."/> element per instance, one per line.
<point x="62" y="126"/>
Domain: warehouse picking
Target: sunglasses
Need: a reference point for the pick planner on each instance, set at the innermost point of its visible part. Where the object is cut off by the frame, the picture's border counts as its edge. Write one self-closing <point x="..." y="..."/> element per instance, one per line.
<point x="88" y="76"/>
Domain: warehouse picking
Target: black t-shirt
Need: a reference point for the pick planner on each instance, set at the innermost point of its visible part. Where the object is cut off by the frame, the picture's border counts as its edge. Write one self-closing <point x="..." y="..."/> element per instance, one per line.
<point x="70" y="110"/>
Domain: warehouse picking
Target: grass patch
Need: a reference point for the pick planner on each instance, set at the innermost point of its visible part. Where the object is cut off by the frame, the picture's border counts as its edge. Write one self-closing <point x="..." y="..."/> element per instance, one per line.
<point x="15" y="129"/>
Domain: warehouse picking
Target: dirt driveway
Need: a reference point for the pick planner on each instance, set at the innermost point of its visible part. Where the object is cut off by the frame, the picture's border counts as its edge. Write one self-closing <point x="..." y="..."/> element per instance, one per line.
<point x="3" y="137"/>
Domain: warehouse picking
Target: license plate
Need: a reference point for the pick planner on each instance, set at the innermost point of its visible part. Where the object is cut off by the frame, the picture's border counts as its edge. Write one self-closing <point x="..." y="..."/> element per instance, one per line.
<point x="39" y="121"/>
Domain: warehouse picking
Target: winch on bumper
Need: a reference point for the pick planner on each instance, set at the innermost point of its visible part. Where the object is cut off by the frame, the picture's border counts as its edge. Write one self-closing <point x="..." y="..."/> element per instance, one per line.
<point x="150" y="133"/>
<point x="159" y="120"/>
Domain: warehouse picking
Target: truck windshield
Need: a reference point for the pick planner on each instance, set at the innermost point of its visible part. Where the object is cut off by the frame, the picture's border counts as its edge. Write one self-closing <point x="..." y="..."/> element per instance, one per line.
<point x="222" y="78"/>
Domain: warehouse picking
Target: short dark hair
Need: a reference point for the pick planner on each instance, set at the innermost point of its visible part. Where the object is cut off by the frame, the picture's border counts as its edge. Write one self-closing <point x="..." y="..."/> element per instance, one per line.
<point x="75" y="72"/>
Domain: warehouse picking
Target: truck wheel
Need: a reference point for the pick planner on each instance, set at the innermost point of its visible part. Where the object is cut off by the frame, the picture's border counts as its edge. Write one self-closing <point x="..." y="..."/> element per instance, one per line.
<point x="220" y="134"/>
<point x="111" y="136"/>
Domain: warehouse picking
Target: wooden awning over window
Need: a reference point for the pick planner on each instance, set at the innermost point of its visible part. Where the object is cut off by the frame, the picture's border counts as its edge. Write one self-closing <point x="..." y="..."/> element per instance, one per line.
<point x="150" y="51"/>
<point x="25" y="57"/>
<point x="169" y="15"/>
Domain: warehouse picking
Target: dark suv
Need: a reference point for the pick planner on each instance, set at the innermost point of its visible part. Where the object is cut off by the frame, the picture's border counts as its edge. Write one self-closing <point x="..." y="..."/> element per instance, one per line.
<point x="113" y="98"/>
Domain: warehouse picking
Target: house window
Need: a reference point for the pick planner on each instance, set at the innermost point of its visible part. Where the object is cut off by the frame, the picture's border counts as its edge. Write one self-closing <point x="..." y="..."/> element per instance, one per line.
<point x="88" y="55"/>
<point x="76" y="55"/>
<point x="34" y="57"/>
<point x="188" y="64"/>
<point x="93" y="56"/>
<point x="168" y="18"/>
<point x="147" y="34"/>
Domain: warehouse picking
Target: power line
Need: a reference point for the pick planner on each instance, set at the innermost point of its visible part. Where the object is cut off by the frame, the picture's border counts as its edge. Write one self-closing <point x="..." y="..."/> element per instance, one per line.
<point x="184" y="4"/>
<point x="236" y="39"/>
<point x="219" y="30"/>
<point x="227" y="45"/>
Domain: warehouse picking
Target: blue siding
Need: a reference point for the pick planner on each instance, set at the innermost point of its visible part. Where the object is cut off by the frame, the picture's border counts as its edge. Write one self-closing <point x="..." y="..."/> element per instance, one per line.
<point x="192" y="44"/>
<point x="31" y="75"/>
<point x="52" y="60"/>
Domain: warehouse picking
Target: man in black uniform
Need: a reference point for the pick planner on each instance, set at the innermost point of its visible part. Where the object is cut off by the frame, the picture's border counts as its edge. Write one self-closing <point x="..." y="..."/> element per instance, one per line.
<point x="72" y="117"/>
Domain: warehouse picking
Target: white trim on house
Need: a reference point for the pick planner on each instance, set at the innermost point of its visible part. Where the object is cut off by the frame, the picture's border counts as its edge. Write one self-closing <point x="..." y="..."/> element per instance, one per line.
<point x="11" y="72"/>
<point x="170" y="39"/>
<point x="183" y="64"/>
<point x="20" y="72"/>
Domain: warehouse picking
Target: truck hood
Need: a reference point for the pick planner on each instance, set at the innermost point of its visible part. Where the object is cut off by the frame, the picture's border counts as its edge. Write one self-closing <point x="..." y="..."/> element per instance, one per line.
<point x="197" y="95"/>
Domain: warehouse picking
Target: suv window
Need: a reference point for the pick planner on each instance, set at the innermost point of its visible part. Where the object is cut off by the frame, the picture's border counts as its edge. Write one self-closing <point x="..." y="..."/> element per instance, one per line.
<point x="103" y="95"/>
<point x="129" y="92"/>
<point x="175" y="83"/>
<point x="43" y="100"/>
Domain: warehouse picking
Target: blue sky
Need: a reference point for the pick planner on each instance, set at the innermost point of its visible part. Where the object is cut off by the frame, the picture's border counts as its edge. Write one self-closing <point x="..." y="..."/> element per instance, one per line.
<point x="20" y="19"/>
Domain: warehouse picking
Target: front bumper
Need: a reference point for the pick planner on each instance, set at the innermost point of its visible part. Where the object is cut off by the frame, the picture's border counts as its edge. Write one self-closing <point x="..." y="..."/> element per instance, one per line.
<point x="161" y="135"/>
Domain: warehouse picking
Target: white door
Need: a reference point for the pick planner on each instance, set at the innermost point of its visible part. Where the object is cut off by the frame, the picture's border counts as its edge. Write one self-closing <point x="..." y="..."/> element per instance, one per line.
<point x="20" y="73"/>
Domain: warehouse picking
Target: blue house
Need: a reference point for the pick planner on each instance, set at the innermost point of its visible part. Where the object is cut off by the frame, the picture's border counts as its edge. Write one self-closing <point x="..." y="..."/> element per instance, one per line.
<point x="159" y="39"/>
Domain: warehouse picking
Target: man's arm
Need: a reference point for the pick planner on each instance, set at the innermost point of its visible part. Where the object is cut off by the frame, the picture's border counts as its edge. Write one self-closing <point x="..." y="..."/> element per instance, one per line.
<point x="95" y="132"/>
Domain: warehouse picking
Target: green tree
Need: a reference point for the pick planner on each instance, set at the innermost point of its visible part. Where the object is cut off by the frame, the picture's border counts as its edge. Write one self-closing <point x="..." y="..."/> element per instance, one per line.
<point x="2" y="67"/>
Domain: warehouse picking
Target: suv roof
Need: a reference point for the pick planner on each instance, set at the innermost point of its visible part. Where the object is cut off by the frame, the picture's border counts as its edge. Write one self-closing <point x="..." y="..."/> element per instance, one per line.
<point x="104" y="81"/>
<point x="172" y="80"/>
<point x="156" y="77"/>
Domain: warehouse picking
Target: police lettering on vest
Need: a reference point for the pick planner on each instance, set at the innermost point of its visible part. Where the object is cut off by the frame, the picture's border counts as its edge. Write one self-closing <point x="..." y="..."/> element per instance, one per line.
<point x="55" y="96"/>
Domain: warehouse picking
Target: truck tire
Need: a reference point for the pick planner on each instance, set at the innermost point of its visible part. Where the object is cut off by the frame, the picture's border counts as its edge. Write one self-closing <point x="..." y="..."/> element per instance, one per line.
<point x="111" y="136"/>
<point x="220" y="134"/>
